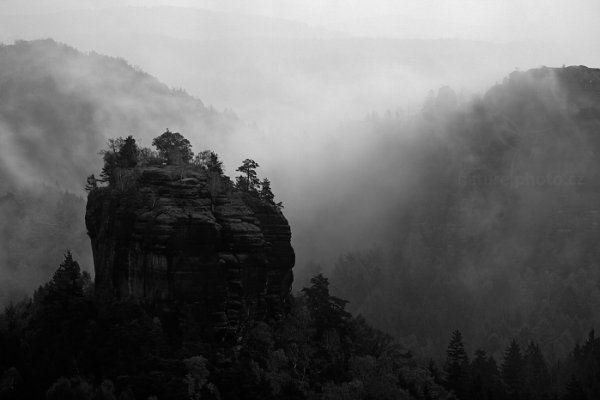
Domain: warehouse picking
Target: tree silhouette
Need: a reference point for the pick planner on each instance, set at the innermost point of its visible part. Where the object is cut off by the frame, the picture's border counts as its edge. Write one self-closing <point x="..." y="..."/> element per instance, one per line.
<point x="128" y="153"/>
<point x="265" y="191"/>
<point x="328" y="311"/>
<point x="535" y="372"/>
<point x="484" y="380"/>
<point x="512" y="371"/>
<point x="173" y="147"/>
<point x="267" y="195"/>
<point x="67" y="281"/>
<point x="209" y="160"/>
<point x="248" y="182"/>
<point x="457" y="364"/>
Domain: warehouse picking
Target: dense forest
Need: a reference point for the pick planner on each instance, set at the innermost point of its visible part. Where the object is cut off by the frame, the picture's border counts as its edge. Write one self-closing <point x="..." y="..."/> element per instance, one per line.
<point x="490" y="220"/>
<point x="63" y="344"/>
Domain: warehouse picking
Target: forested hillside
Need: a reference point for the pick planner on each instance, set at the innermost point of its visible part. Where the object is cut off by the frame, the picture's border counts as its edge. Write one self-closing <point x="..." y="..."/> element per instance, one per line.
<point x="493" y="223"/>
<point x="58" y="106"/>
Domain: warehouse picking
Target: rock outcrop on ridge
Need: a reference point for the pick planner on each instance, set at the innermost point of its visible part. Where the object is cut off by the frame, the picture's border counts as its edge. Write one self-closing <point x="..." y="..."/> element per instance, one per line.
<point x="179" y="236"/>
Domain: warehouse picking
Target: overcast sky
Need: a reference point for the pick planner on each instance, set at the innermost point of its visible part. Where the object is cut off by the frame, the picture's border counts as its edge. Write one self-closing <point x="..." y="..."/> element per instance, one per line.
<point x="564" y="21"/>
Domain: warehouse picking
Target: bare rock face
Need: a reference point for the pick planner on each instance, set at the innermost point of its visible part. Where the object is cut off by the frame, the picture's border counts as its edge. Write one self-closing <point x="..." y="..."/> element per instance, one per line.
<point x="182" y="237"/>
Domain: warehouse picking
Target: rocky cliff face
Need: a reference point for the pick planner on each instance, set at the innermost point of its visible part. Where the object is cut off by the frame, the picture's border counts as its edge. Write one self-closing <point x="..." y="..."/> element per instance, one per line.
<point x="182" y="237"/>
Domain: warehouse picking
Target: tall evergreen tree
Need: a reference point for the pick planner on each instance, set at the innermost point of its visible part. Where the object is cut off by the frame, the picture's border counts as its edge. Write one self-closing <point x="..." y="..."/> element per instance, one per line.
<point x="215" y="165"/>
<point x="267" y="194"/>
<point x="535" y="373"/>
<point x="328" y="311"/>
<point x="457" y="365"/>
<point x="265" y="191"/>
<point x="248" y="182"/>
<point x="128" y="153"/>
<point x="67" y="281"/>
<point x="512" y="371"/>
<point x="109" y="170"/>
<point x="485" y="383"/>
<point x="209" y="161"/>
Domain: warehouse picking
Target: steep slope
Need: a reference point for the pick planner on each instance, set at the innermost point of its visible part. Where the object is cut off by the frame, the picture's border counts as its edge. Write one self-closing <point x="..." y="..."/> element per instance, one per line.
<point x="495" y="231"/>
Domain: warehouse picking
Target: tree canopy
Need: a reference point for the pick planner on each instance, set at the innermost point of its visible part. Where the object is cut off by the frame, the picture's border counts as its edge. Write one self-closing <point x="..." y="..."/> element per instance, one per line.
<point x="248" y="181"/>
<point x="209" y="160"/>
<point x="173" y="147"/>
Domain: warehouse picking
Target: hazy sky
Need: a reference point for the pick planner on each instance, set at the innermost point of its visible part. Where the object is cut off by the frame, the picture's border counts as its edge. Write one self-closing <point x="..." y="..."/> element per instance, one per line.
<point x="496" y="20"/>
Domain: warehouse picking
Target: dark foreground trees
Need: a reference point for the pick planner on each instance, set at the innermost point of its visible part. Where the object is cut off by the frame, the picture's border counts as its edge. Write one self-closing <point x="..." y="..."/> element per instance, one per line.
<point x="457" y="365"/>
<point x="522" y="375"/>
<point x="63" y="345"/>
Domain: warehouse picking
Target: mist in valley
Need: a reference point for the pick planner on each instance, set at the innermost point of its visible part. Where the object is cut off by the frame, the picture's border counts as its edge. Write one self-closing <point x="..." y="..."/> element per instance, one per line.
<point x="400" y="141"/>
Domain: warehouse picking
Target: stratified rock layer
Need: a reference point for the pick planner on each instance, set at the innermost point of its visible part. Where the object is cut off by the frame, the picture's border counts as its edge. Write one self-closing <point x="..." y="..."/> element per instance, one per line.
<point x="182" y="237"/>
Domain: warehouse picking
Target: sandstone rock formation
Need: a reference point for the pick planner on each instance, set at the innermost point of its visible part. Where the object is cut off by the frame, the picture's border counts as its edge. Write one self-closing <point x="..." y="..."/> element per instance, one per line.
<point x="183" y="237"/>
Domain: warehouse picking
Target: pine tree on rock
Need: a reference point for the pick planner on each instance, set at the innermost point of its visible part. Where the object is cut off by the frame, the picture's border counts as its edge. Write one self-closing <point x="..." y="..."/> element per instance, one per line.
<point x="266" y="193"/>
<point x="215" y="165"/>
<point x="128" y="153"/>
<point x="248" y="182"/>
<point x="109" y="170"/>
<point x="209" y="161"/>
<point x="111" y="158"/>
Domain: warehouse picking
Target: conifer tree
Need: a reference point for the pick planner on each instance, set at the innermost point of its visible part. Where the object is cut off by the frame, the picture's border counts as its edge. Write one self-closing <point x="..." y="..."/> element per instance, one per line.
<point x="67" y="281"/>
<point x="536" y="375"/>
<point x="109" y="170"/>
<point x="128" y="153"/>
<point x="248" y="182"/>
<point x="484" y="378"/>
<point x="457" y="365"/>
<point x="327" y="310"/>
<point x="512" y="371"/>
<point x="215" y="165"/>
<point x="265" y="191"/>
